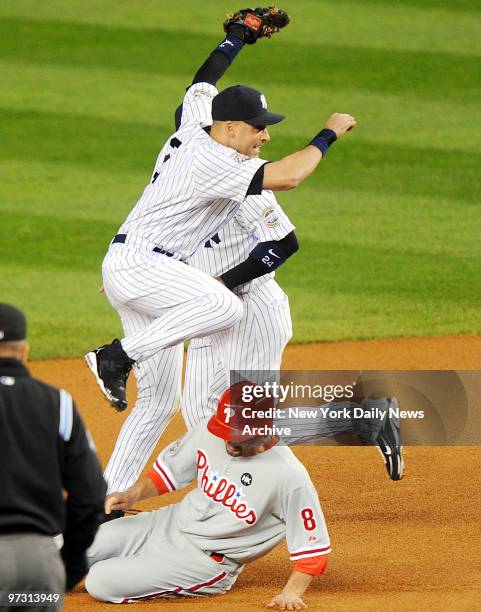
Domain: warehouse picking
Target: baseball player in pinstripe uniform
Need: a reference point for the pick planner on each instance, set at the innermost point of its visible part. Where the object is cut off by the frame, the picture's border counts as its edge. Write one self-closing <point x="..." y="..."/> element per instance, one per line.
<point x="250" y="495"/>
<point x="203" y="174"/>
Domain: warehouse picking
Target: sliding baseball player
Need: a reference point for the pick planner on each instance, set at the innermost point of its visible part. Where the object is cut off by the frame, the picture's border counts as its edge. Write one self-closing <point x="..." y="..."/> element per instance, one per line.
<point x="250" y="495"/>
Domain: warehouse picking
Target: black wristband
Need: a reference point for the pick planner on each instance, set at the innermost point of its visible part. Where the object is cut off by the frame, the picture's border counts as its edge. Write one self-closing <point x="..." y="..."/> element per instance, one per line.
<point x="231" y="46"/>
<point x="324" y="140"/>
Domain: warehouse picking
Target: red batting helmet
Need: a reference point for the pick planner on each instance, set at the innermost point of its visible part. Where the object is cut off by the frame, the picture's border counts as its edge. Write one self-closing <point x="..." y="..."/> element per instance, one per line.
<point x="237" y="409"/>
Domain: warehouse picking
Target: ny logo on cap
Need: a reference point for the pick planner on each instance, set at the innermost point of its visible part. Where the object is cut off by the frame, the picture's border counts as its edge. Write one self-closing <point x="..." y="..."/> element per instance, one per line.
<point x="263" y="102"/>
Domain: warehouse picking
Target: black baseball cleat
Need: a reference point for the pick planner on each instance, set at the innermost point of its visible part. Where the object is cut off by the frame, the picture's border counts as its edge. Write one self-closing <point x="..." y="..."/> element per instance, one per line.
<point x="389" y="442"/>
<point x="111" y="366"/>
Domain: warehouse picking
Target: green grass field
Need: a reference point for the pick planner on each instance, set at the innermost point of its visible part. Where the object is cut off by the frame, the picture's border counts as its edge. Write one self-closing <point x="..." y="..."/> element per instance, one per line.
<point x="388" y="225"/>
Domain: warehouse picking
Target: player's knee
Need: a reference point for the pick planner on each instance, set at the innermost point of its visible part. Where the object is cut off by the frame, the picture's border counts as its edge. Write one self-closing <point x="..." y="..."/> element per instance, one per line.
<point x="99" y="584"/>
<point x="226" y="306"/>
<point x="235" y="306"/>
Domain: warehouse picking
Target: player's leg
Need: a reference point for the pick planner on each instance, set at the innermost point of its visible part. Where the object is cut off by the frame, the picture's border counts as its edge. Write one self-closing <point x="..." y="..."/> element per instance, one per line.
<point x="272" y="326"/>
<point x="182" y="302"/>
<point x="252" y="349"/>
<point x="164" y="564"/>
<point x="121" y="538"/>
<point x="316" y="423"/>
<point x="255" y="343"/>
<point x="201" y="368"/>
<point x="205" y="373"/>
<point x="158" y="394"/>
<point x="371" y="420"/>
<point x="164" y="573"/>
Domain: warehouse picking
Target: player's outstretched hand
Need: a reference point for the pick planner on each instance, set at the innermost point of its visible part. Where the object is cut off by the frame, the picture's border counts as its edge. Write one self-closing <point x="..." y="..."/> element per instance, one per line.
<point x="287" y="601"/>
<point x="117" y="501"/>
<point x="340" y="123"/>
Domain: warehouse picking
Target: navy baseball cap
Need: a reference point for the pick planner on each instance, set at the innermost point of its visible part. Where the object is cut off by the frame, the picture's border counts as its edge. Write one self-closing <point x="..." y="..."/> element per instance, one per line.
<point x="242" y="103"/>
<point x="13" y="324"/>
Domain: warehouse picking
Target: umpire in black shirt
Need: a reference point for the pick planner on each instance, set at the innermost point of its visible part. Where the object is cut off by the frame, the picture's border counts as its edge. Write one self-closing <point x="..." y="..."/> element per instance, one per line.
<point x="50" y="479"/>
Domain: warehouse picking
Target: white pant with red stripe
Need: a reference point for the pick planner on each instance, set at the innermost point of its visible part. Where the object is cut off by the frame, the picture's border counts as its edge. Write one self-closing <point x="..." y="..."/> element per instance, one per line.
<point x="146" y="557"/>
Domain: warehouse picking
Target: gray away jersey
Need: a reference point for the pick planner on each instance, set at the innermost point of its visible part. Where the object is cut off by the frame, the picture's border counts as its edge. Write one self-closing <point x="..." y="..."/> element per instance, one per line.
<point x="260" y="219"/>
<point x="197" y="184"/>
<point x="243" y="507"/>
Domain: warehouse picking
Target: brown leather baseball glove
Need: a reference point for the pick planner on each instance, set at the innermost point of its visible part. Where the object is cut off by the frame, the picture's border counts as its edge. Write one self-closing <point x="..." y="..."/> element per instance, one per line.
<point x="257" y="23"/>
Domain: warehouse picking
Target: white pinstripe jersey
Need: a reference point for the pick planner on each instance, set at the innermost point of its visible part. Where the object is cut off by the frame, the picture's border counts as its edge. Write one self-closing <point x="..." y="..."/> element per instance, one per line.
<point x="197" y="184"/>
<point x="260" y="219"/>
<point x="243" y="507"/>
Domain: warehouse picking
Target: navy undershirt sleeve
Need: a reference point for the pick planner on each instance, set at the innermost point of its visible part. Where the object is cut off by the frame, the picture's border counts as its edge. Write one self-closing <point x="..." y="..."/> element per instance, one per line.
<point x="254" y="266"/>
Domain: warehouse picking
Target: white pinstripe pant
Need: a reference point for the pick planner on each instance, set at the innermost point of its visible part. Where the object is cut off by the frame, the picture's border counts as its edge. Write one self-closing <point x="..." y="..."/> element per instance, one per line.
<point x="255" y="343"/>
<point x="179" y="301"/>
<point x="161" y="303"/>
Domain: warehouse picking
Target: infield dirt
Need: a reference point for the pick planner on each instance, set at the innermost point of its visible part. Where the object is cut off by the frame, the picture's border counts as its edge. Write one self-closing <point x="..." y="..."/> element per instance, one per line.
<point x="408" y="545"/>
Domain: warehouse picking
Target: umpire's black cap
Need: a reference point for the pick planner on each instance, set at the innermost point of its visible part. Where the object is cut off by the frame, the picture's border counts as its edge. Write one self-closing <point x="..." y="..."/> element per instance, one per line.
<point x="13" y="324"/>
<point x="242" y="103"/>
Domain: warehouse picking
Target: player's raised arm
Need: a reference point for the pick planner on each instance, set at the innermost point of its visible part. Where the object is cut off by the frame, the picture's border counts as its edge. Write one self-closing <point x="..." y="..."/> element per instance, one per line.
<point x="243" y="27"/>
<point x="293" y="169"/>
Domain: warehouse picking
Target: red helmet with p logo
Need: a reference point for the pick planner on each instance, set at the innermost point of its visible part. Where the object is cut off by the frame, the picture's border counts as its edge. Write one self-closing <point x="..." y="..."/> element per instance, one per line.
<point x="243" y="414"/>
